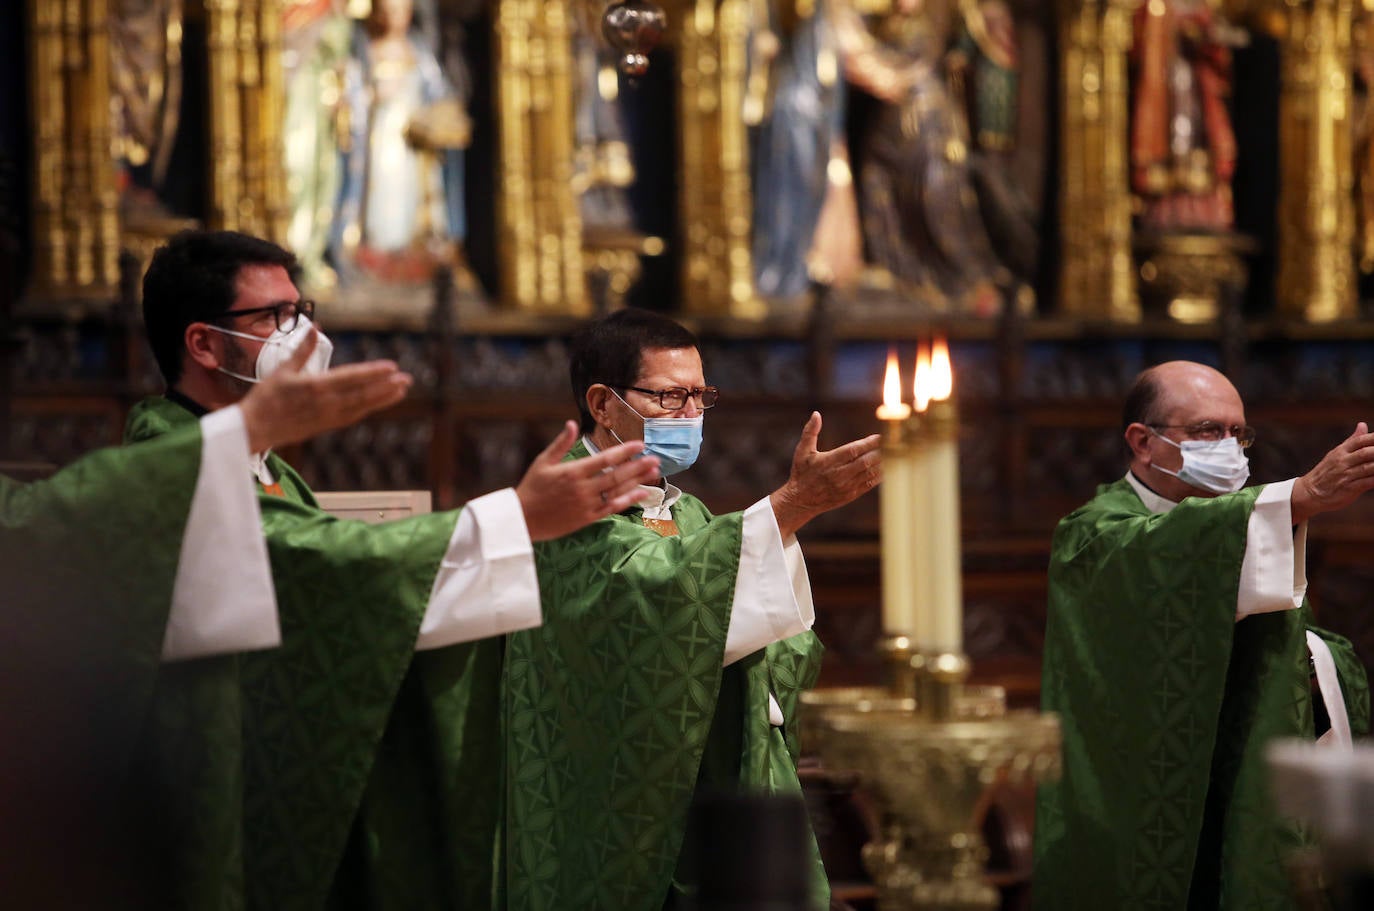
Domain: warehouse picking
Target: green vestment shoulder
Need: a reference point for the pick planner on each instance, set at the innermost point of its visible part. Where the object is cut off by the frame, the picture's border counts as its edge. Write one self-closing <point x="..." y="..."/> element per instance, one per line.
<point x="1167" y="703"/>
<point x="354" y="777"/>
<point x="617" y="709"/>
<point x="89" y="560"/>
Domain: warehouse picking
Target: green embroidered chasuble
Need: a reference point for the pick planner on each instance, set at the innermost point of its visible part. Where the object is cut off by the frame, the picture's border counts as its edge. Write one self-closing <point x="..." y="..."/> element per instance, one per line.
<point x="617" y="709"/>
<point x="1167" y="703"/>
<point x="88" y="559"/>
<point x="341" y="772"/>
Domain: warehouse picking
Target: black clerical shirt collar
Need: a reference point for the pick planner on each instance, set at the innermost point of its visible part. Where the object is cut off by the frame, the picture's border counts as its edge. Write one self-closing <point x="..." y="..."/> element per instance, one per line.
<point x="190" y="405"/>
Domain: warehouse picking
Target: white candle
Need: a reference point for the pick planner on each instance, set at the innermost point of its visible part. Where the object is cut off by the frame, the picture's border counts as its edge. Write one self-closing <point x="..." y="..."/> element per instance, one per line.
<point x="945" y="629"/>
<point x="894" y="503"/>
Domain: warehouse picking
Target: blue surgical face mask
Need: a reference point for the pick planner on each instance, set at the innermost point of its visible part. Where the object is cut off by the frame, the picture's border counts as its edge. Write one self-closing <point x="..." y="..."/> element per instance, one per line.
<point x="1217" y="466"/>
<point x="676" y="441"/>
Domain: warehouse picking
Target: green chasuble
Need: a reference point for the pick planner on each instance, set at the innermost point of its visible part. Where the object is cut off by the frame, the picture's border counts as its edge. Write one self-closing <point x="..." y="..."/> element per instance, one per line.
<point x="1167" y="703"/>
<point x="617" y="709"/>
<point x="88" y="559"/>
<point x="346" y="774"/>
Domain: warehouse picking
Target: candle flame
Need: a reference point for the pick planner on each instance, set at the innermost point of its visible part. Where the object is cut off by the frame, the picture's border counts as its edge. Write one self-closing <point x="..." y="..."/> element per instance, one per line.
<point x="892" y="383"/>
<point x="942" y="372"/>
<point x="921" y="386"/>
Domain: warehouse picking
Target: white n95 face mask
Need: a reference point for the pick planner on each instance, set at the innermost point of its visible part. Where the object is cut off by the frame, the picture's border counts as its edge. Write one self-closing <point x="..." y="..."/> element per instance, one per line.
<point x="277" y="349"/>
<point x="1219" y="466"/>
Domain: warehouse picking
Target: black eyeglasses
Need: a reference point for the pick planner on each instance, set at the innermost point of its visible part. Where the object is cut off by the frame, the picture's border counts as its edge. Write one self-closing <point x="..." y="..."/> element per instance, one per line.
<point x="1211" y="431"/>
<point x="286" y="313"/>
<point x="675" y="397"/>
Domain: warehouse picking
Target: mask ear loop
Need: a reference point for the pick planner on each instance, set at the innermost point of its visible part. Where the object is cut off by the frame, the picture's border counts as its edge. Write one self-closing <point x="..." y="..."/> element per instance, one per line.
<point x="251" y="338"/>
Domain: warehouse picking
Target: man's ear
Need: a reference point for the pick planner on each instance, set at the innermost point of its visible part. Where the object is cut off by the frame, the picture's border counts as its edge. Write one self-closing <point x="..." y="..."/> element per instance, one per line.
<point x="201" y="346"/>
<point x="599" y="403"/>
<point x="1138" y="438"/>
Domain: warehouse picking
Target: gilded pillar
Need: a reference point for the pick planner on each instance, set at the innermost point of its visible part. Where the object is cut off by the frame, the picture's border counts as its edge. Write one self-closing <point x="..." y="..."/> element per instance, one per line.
<point x="75" y="207"/>
<point x="1097" y="277"/>
<point x="715" y="199"/>
<point x="226" y="119"/>
<point x="1316" y="279"/>
<point x="539" y="224"/>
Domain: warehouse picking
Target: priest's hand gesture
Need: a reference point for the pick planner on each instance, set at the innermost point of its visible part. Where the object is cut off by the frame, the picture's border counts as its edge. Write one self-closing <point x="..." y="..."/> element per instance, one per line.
<point x="821" y="481"/>
<point x="290" y="405"/>
<point x="1338" y="479"/>
<point x="560" y="497"/>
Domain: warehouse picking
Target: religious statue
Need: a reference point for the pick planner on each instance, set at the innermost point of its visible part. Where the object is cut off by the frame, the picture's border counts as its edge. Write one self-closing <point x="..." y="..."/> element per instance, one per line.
<point x="315" y="44"/>
<point x="146" y="88"/>
<point x="1183" y="148"/>
<point x="602" y="165"/>
<point x="794" y="103"/>
<point x="401" y="209"/>
<point x="922" y="220"/>
<point x="984" y="74"/>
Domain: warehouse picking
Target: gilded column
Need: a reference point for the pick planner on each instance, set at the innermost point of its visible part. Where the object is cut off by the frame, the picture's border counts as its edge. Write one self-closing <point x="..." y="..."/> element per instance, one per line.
<point x="715" y="198"/>
<point x="1097" y="277"/>
<point x="102" y="206"/>
<point x="273" y="205"/>
<point x="47" y="84"/>
<point x="226" y="132"/>
<point x="1316" y="197"/>
<point x="538" y="221"/>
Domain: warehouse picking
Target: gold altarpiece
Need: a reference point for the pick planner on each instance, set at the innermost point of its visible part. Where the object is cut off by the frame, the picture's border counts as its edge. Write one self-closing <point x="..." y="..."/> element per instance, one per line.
<point x="78" y="234"/>
<point x="77" y="230"/>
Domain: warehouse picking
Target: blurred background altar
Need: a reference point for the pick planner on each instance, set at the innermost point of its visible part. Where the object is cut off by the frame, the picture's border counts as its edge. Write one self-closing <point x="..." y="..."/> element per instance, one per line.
<point x="1069" y="191"/>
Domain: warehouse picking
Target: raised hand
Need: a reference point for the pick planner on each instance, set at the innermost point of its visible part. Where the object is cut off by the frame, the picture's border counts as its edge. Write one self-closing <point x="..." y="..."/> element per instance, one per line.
<point x="290" y="406"/>
<point x="1338" y="479"/>
<point x="560" y="497"/>
<point x="821" y="481"/>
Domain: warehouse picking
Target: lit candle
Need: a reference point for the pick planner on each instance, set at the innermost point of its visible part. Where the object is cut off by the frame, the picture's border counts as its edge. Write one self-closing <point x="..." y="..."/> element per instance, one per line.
<point x="895" y="507"/>
<point x="943" y="630"/>
<point x="922" y="632"/>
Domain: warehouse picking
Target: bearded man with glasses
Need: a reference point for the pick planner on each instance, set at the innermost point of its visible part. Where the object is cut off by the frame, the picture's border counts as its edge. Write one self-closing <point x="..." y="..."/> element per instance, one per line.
<point x="675" y="642"/>
<point x="356" y="756"/>
<point x="1178" y="643"/>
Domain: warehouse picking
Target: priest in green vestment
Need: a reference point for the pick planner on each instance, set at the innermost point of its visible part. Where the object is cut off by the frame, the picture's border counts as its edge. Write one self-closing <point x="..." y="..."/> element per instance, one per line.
<point x="674" y="647"/>
<point x="1178" y="644"/>
<point x="103" y="567"/>
<point x="353" y="766"/>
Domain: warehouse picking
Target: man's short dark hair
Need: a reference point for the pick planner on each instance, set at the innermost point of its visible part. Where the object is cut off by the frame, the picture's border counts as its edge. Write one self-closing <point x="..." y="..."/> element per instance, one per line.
<point x="608" y="352"/>
<point x="1143" y="401"/>
<point x="192" y="279"/>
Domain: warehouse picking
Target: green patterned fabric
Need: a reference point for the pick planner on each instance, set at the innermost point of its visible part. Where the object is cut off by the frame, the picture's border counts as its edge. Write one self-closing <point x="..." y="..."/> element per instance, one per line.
<point x="89" y="560"/>
<point x="617" y="709"/>
<point x="345" y="779"/>
<point x="1167" y="703"/>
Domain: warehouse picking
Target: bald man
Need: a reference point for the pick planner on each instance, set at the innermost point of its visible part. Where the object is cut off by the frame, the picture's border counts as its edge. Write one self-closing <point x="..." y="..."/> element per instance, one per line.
<point x="1178" y="644"/>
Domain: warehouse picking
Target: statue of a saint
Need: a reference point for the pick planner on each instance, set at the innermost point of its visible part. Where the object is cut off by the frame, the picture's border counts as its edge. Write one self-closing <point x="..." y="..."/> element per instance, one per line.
<point x="400" y="210"/>
<point x="803" y="228"/>
<point x="315" y="43"/>
<point x="602" y="166"/>
<point x="984" y="72"/>
<point x="921" y="215"/>
<point x="1183" y="148"/>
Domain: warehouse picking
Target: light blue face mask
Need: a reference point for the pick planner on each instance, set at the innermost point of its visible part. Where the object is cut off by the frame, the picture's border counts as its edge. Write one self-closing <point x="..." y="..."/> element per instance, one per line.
<point x="676" y="441"/>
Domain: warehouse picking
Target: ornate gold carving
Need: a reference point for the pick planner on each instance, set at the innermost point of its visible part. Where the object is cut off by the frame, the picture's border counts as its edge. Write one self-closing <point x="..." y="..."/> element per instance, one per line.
<point x="715" y="201"/>
<point x="1097" y="278"/>
<point x="1187" y="277"/>
<point x="538" y="221"/>
<point x="1316" y="198"/>
<point x="75" y="210"/>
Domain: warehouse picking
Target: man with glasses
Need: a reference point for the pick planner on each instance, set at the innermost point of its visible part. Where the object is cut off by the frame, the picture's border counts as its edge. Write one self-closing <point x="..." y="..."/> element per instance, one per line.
<point x="675" y="643"/>
<point x="106" y="564"/>
<point x="1177" y="646"/>
<point x="362" y="745"/>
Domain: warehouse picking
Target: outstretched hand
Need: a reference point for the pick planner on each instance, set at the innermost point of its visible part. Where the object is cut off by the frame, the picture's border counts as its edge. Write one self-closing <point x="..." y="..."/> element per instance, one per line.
<point x="1338" y="479"/>
<point x="560" y="497"/>
<point x="290" y="406"/>
<point x="821" y="481"/>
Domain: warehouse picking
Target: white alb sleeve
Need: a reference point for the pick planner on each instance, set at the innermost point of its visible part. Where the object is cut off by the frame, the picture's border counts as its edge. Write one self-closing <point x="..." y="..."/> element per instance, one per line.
<point x="772" y="590"/>
<point x="486" y="584"/>
<point x="1273" y="573"/>
<point x="222" y="600"/>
